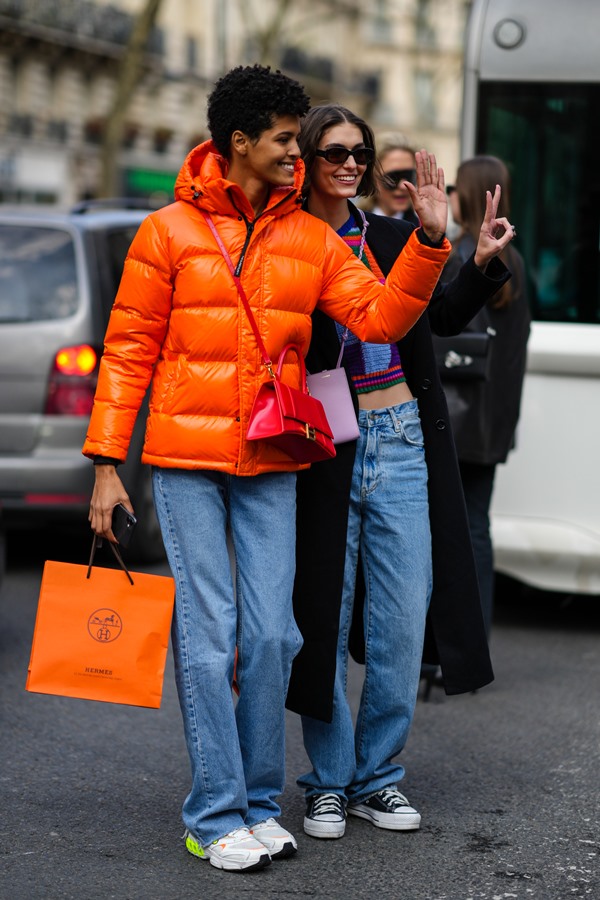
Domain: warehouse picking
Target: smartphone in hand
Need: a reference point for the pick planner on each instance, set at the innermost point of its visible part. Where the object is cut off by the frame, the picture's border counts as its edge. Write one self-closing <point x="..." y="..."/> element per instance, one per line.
<point x="123" y="523"/>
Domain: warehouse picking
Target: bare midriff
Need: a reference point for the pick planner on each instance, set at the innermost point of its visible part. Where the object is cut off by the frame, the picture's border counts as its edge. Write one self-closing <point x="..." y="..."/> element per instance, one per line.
<point x="389" y="396"/>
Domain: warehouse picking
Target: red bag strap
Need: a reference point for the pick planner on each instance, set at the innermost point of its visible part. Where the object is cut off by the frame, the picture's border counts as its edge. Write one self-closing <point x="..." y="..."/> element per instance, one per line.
<point x="282" y="356"/>
<point x="263" y="350"/>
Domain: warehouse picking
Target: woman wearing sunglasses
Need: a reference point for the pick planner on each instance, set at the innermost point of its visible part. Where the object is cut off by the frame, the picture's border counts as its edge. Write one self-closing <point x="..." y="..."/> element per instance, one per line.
<point x="396" y="164"/>
<point x="178" y="324"/>
<point x="386" y="518"/>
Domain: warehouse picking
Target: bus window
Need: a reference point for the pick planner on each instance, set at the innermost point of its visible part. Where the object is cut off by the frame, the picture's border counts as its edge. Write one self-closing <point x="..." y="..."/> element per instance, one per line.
<point x="532" y="97"/>
<point x="546" y="133"/>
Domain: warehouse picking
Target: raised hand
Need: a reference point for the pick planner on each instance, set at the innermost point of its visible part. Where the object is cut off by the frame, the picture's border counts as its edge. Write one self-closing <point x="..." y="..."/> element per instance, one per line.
<point x="495" y="233"/>
<point x="429" y="196"/>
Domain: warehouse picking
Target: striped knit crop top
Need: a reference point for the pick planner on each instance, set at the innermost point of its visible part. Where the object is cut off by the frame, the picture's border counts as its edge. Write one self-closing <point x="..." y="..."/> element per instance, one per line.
<point x="371" y="366"/>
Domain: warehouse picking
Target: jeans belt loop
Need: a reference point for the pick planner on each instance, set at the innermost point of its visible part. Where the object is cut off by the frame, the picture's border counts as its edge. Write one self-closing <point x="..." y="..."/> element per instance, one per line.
<point x="395" y="419"/>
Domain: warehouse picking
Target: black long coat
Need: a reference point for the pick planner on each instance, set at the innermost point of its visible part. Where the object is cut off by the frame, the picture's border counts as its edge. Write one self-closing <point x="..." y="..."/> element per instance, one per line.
<point x="455" y="634"/>
<point x="484" y="428"/>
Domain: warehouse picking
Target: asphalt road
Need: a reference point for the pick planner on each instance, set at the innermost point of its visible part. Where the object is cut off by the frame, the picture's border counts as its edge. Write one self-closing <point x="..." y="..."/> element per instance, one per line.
<point x="506" y="779"/>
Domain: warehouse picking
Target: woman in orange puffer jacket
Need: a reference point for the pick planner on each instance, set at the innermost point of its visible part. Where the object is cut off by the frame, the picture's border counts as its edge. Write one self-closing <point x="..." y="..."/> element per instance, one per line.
<point x="178" y="322"/>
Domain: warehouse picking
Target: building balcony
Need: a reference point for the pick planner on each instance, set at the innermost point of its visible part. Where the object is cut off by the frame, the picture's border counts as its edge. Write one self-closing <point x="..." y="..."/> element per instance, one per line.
<point x="77" y="27"/>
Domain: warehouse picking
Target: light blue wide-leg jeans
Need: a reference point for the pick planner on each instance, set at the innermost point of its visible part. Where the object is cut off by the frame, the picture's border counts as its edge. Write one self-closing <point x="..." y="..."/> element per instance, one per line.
<point x="389" y="526"/>
<point x="236" y="749"/>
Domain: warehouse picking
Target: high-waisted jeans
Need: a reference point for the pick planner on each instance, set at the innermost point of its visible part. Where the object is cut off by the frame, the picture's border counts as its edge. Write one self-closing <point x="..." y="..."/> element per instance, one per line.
<point x="389" y="526"/>
<point x="236" y="750"/>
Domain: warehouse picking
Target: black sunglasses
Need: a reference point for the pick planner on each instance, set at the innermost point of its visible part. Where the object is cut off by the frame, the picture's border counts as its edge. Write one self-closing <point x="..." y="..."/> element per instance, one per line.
<point x="337" y="156"/>
<point x="392" y="179"/>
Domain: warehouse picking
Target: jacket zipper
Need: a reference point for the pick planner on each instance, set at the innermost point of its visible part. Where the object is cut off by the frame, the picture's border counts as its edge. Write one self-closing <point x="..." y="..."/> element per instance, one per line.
<point x="249" y="231"/>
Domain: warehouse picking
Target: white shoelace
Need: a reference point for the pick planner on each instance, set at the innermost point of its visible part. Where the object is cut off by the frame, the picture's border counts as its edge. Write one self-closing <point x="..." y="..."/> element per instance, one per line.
<point x="327" y="803"/>
<point x="392" y="797"/>
<point x="238" y="833"/>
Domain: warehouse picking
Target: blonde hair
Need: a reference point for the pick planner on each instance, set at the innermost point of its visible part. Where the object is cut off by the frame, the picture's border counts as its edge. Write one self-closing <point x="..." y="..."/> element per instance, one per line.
<point x="393" y="140"/>
<point x="387" y="141"/>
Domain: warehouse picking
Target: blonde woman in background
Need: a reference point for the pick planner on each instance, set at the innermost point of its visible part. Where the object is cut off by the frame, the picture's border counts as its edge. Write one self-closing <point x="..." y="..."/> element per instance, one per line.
<point x="396" y="164"/>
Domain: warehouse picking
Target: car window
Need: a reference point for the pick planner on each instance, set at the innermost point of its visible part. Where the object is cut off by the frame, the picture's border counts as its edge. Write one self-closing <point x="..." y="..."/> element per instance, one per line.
<point x="118" y="241"/>
<point x="111" y="249"/>
<point x="38" y="277"/>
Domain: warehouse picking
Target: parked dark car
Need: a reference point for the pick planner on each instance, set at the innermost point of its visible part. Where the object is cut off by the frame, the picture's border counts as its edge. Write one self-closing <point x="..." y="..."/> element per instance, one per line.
<point x="59" y="274"/>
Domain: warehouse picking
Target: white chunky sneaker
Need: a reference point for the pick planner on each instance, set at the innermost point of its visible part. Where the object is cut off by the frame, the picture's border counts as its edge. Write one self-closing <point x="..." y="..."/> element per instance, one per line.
<point x="387" y="808"/>
<point x="235" y="852"/>
<point x="325" y="816"/>
<point x="279" y="842"/>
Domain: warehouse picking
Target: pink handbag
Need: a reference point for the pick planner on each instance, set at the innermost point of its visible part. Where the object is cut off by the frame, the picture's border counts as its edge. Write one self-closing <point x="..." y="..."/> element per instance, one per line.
<point x="331" y="387"/>
<point x="282" y="415"/>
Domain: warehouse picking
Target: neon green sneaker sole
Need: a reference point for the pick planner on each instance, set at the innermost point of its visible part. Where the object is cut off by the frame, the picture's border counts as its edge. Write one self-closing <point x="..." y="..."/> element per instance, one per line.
<point x="235" y="852"/>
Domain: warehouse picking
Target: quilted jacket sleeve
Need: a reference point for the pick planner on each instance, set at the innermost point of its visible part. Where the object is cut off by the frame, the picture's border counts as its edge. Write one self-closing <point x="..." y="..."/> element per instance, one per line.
<point x="375" y="312"/>
<point x="135" y="334"/>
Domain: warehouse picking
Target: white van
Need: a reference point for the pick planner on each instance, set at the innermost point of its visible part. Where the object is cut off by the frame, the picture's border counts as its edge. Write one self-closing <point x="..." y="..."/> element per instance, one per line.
<point x="532" y="98"/>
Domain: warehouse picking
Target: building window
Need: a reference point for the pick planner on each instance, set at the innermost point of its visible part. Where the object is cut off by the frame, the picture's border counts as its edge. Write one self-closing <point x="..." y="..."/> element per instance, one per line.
<point x="424" y="31"/>
<point x="425" y="100"/>
<point x="94" y="130"/>
<point x="21" y="125"/>
<point x="191" y="53"/>
<point x="381" y="26"/>
<point x="161" y="138"/>
<point x="58" y="130"/>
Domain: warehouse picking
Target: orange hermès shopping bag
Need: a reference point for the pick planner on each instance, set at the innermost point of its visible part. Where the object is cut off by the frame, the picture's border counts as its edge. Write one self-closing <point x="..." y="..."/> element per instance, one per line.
<point x="101" y="634"/>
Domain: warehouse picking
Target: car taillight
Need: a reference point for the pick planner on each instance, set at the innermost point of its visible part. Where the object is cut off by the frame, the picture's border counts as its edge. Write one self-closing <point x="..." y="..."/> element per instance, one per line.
<point x="72" y="381"/>
<point x="80" y="360"/>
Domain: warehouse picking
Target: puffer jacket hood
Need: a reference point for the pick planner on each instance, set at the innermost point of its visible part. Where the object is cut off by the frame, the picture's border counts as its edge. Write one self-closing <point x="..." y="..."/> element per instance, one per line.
<point x="202" y="180"/>
<point x="178" y="323"/>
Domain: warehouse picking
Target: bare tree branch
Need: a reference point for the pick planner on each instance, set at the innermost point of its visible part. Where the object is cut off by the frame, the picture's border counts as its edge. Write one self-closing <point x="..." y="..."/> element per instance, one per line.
<point x="127" y="78"/>
<point x="266" y="35"/>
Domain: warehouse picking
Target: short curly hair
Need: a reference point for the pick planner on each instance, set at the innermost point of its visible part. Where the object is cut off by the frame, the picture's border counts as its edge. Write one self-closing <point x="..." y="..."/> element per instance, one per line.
<point x="249" y="99"/>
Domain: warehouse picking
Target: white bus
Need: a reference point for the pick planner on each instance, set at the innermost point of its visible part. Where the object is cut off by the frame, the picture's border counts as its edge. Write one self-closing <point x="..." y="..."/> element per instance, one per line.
<point x="532" y="97"/>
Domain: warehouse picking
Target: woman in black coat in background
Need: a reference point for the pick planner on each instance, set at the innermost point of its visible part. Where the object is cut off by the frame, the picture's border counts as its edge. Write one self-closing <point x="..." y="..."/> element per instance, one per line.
<point x="484" y="414"/>
<point x="455" y="633"/>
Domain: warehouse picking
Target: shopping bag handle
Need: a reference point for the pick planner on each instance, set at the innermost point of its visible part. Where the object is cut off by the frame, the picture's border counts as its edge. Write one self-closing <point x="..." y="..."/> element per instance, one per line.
<point x="97" y="542"/>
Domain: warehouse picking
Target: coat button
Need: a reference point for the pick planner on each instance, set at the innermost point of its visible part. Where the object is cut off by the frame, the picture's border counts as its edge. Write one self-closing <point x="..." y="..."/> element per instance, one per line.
<point x="440" y="424"/>
<point x="426" y="384"/>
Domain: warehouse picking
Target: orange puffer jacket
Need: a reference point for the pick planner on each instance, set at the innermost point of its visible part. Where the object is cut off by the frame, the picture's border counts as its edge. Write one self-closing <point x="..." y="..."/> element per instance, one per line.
<point x="178" y="321"/>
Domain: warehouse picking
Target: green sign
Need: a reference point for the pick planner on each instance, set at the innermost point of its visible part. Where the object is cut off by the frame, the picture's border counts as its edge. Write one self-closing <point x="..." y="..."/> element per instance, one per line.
<point x="149" y="181"/>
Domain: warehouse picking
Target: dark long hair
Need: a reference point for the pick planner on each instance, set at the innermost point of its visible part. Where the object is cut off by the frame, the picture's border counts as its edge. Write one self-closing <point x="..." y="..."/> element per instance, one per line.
<point x="474" y="177"/>
<point x="314" y="125"/>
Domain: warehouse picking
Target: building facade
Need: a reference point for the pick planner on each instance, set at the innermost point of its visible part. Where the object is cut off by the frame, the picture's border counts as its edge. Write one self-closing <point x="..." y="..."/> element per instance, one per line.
<point x="396" y="62"/>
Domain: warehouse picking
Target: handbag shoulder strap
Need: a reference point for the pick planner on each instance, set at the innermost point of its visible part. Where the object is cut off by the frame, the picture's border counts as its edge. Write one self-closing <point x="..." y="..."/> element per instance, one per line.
<point x="263" y="350"/>
<point x="342" y="347"/>
<point x="359" y="256"/>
